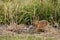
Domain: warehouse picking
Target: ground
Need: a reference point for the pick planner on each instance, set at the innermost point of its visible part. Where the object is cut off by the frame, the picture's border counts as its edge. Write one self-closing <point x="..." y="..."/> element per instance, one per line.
<point x="8" y="35"/>
<point x="28" y="37"/>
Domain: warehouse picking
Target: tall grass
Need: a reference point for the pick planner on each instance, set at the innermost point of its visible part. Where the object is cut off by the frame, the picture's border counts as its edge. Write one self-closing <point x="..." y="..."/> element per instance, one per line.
<point x="23" y="11"/>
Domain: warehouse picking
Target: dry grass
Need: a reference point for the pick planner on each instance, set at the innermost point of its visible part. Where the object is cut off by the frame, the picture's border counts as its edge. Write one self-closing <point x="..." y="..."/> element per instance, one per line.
<point x="27" y="37"/>
<point x="51" y="34"/>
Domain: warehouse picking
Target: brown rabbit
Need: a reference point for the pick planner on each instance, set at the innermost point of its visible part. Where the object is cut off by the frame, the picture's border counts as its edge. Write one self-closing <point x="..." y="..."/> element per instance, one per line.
<point x="40" y="25"/>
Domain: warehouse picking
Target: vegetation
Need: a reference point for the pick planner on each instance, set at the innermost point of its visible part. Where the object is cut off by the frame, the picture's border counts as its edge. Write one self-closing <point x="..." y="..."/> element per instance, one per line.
<point x="23" y="11"/>
<point x="25" y="37"/>
<point x="26" y="11"/>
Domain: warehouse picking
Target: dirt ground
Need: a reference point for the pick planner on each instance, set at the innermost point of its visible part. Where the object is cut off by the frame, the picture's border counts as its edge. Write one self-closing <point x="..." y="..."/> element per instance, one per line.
<point x="12" y="31"/>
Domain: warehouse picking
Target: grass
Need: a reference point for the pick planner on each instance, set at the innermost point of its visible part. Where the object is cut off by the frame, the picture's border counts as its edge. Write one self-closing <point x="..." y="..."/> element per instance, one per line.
<point x="25" y="37"/>
<point x="22" y="11"/>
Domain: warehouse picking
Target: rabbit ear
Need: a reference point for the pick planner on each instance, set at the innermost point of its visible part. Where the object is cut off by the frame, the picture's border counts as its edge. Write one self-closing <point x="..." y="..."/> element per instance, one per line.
<point x="35" y="17"/>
